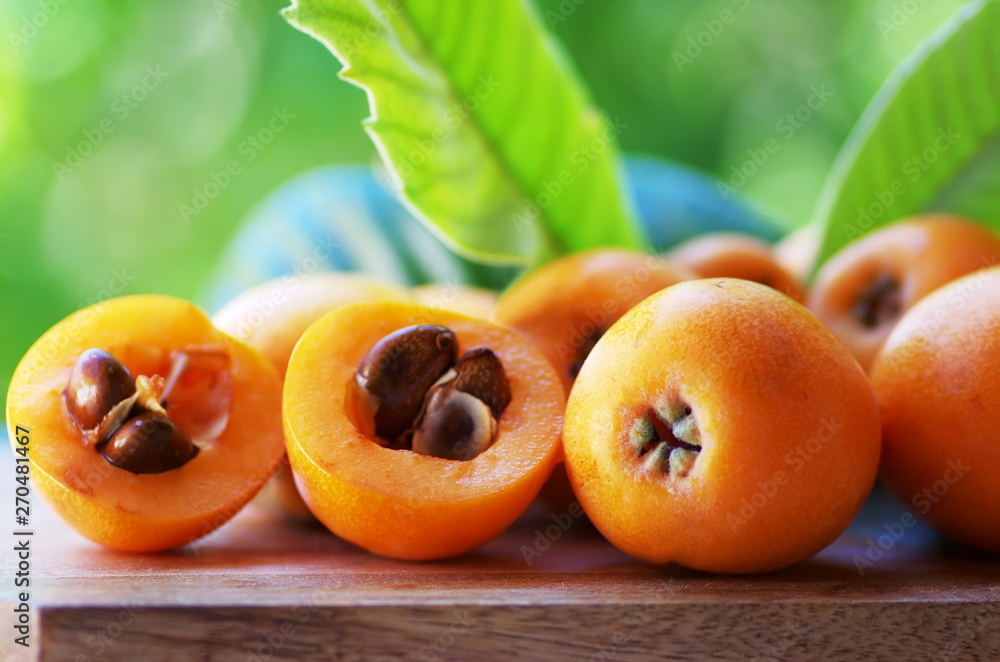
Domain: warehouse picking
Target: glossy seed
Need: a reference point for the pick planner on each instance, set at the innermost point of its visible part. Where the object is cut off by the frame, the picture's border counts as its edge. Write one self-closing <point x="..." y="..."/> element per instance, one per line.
<point x="459" y="420"/>
<point x="149" y="443"/>
<point x="96" y="384"/>
<point x="480" y="373"/>
<point x="455" y="425"/>
<point x="396" y="374"/>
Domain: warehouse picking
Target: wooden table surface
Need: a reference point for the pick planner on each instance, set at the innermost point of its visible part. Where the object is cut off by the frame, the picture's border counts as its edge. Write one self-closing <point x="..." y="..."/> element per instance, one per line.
<point x="259" y="589"/>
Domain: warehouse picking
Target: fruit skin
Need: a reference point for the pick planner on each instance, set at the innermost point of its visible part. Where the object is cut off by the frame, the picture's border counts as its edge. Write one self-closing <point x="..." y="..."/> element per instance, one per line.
<point x="922" y="253"/>
<point x="939" y="397"/>
<point x="271" y="318"/>
<point x="396" y="502"/>
<point x="149" y="512"/>
<point x="562" y="304"/>
<point x="796" y="252"/>
<point x="731" y="255"/>
<point x="783" y="409"/>
<point x="466" y="299"/>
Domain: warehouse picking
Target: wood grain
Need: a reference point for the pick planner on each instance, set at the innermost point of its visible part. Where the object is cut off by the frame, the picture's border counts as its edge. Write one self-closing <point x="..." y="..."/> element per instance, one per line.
<point x="263" y="590"/>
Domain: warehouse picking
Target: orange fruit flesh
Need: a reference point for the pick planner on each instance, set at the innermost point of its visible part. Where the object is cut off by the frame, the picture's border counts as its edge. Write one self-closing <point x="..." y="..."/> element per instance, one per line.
<point x="396" y="502"/>
<point x="148" y="512"/>
<point x="271" y="317"/>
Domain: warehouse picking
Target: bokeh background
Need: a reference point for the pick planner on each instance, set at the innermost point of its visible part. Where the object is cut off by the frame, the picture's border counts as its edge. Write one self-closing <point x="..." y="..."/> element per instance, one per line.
<point x="166" y="93"/>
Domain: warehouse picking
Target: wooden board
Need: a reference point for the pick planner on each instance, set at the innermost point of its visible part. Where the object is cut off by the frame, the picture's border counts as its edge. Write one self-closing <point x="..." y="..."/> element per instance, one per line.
<point x="262" y="590"/>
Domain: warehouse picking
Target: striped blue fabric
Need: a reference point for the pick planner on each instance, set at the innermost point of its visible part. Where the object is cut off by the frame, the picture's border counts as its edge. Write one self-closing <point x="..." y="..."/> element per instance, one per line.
<point x="345" y="218"/>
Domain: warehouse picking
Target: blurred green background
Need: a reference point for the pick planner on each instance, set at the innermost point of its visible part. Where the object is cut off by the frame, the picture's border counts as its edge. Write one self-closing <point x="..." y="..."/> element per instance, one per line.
<point x="115" y="114"/>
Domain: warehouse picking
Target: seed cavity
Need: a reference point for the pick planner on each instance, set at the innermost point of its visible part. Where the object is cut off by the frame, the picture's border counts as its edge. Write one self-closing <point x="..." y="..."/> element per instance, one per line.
<point x="124" y="417"/>
<point x="147" y="395"/>
<point x="667" y="440"/>
<point x="198" y="390"/>
<point x="880" y="302"/>
<point x="439" y="405"/>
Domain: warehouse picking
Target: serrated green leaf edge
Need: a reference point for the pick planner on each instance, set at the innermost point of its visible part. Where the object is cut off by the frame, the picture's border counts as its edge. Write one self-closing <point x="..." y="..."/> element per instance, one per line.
<point x="496" y="186"/>
<point x="925" y="95"/>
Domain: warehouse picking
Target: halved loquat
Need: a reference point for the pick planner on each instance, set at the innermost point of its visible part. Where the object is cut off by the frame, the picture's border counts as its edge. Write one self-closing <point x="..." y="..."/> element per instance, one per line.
<point x="149" y="428"/>
<point x="418" y="433"/>
<point x="271" y="318"/>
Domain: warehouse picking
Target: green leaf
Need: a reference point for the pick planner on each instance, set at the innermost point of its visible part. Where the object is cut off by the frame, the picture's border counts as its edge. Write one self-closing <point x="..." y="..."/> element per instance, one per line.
<point x="482" y="122"/>
<point x="929" y="141"/>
